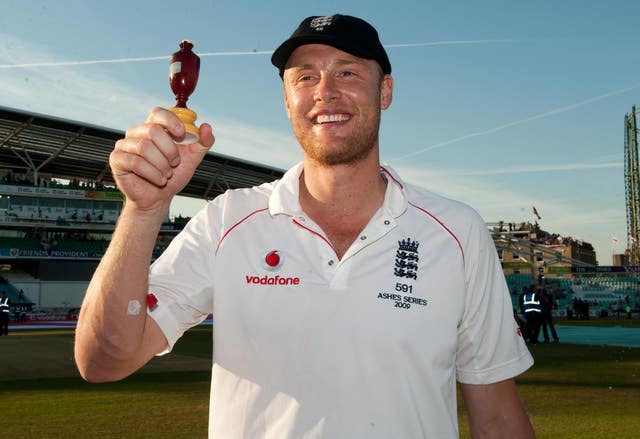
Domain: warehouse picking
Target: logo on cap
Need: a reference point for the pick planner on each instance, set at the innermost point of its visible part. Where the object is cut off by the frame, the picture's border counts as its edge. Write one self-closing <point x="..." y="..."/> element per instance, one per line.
<point x="319" y="23"/>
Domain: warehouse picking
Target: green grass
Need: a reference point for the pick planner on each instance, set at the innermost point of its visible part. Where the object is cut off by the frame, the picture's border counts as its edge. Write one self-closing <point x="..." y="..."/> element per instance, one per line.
<point x="581" y="391"/>
<point x="573" y="391"/>
<point x="584" y="391"/>
<point x="156" y="405"/>
<point x="42" y="395"/>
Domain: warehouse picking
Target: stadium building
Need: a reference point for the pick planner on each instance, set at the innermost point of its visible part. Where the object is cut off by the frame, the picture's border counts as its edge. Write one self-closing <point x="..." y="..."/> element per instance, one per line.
<point x="566" y="267"/>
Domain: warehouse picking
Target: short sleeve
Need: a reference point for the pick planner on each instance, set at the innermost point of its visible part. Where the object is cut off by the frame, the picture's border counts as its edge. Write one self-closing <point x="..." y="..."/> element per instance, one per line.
<point x="181" y="278"/>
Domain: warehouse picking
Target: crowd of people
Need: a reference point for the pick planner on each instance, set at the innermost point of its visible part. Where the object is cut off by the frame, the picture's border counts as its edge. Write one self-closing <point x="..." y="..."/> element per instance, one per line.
<point x="28" y="179"/>
<point x="538" y="235"/>
<point x="538" y="304"/>
<point x="581" y="309"/>
<point x="578" y="309"/>
<point x="15" y="309"/>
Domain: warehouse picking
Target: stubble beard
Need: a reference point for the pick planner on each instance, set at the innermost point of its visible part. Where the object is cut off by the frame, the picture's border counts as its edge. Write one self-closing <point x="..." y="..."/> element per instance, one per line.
<point x="347" y="150"/>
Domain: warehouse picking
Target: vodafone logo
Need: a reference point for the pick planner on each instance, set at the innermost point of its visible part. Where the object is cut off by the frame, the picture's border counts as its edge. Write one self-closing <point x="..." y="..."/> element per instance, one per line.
<point x="273" y="259"/>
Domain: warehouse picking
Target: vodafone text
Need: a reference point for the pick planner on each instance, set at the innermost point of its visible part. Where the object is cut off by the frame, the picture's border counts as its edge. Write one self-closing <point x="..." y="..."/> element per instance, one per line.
<point x="272" y="280"/>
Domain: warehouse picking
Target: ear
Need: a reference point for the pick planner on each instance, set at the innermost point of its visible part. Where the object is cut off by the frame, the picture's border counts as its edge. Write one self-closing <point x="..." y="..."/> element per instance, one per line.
<point x="286" y="101"/>
<point x="386" y="92"/>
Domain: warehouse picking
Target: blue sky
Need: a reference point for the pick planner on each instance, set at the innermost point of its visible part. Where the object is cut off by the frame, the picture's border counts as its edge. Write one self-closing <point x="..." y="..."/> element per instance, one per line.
<point x="504" y="105"/>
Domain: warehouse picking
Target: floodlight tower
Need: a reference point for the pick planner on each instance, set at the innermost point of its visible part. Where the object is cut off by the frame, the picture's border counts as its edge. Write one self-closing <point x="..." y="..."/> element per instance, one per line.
<point x="632" y="185"/>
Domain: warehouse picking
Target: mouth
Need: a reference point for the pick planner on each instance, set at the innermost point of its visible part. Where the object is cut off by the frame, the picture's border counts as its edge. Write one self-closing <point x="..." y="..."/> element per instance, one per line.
<point x="330" y="118"/>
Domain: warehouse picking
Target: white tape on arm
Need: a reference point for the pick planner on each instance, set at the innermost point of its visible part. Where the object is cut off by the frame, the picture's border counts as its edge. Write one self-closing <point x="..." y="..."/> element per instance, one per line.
<point x="133" y="309"/>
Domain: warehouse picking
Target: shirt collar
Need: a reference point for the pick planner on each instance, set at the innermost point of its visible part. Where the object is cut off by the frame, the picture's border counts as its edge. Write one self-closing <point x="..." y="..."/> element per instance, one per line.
<point x="285" y="196"/>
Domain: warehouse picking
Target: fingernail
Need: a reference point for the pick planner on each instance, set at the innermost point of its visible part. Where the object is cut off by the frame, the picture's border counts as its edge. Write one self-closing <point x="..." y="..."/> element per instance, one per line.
<point x="175" y="161"/>
<point x="169" y="173"/>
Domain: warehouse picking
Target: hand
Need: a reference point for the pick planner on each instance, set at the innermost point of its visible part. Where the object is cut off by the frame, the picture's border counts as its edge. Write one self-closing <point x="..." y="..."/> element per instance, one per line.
<point x="149" y="167"/>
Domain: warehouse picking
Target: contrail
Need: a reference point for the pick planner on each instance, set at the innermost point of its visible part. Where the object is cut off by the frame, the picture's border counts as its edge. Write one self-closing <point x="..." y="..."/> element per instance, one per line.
<point x="540" y="168"/>
<point x="206" y="54"/>
<point x="446" y="43"/>
<point x="126" y="60"/>
<point x="518" y="122"/>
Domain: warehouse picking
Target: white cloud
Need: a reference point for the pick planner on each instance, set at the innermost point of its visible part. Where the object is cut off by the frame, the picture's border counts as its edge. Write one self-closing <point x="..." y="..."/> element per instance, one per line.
<point x="65" y="92"/>
<point x="560" y="167"/>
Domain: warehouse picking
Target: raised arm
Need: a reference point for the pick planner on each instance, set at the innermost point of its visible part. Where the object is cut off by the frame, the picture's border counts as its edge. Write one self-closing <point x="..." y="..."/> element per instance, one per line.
<point x="496" y="411"/>
<point x="114" y="336"/>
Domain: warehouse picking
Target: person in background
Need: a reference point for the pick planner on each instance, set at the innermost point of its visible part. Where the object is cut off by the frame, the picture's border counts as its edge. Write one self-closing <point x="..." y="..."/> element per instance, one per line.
<point x="4" y="314"/>
<point x="532" y="311"/>
<point x="546" y="316"/>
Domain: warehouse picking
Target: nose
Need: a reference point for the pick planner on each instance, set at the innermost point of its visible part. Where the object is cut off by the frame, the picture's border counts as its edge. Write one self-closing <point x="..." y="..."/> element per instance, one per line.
<point x="326" y="89"/>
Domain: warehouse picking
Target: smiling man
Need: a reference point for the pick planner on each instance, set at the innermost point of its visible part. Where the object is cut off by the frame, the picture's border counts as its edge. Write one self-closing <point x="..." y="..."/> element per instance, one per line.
<point x="347" y="303"/>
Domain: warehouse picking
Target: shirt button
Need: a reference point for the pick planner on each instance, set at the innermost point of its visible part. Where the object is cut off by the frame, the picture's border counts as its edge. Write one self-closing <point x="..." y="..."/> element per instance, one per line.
<point x="302" y="219"/>
<point x="331" y="262"/>
<point x="387" y="222"/>
<point x="363" y="237"/>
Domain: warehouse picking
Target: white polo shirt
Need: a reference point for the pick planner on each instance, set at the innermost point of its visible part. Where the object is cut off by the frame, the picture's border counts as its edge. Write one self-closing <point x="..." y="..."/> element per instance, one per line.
<point x="370" y="346"/>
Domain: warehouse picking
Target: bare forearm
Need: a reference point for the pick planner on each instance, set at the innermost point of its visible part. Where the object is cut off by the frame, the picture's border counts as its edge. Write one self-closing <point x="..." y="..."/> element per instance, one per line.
<point x="111" y="328"/>
<point x="496" y="411"/>
<point x="114" y="337"/>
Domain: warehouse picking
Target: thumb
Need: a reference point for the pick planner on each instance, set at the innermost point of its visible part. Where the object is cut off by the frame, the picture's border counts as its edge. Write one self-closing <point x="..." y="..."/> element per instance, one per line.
<point x="197" y="151"/>
<point x="207" y="138"/>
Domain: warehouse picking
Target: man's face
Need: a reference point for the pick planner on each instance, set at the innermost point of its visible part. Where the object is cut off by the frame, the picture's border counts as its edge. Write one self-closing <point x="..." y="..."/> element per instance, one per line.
<point x="333" y="100"/>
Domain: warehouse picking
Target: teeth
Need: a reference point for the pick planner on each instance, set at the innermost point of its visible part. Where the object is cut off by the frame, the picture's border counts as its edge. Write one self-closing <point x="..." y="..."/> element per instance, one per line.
<point x="332" y="118"/>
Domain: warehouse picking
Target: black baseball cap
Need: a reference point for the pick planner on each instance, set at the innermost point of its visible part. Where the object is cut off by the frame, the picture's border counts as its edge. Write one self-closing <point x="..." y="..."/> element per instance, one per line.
<point x="349" y="34"/>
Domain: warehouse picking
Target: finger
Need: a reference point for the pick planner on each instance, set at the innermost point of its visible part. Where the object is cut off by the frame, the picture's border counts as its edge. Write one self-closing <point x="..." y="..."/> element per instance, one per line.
<point x="123" y="163"/>
<point x="196" y="151"/>
<point x="207" y="139"/>
<point x="158" y="149"/>
<point x="159" y="137"/>
<point x="168" y="120"/>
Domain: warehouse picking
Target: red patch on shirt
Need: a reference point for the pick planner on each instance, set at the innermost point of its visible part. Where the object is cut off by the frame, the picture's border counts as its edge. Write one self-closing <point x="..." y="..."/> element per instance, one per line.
<point x="152" y="301"/>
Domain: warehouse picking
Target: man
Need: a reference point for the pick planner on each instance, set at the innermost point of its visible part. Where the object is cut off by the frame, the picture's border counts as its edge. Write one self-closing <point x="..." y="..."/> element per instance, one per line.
<point x="346" y="302"/>
<point x="532" y="312"/>
<point x="546" y="316"/>
<point x="4" y="314"/>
